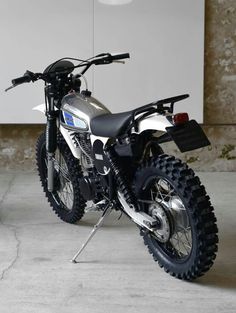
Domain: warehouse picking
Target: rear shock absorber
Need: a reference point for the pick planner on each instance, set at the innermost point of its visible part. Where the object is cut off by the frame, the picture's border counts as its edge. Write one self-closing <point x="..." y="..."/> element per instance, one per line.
<point x="120" y="178"/>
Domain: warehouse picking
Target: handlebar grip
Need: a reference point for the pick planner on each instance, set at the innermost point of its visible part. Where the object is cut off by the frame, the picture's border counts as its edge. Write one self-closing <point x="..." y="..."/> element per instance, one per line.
<point x="20" y="80"/>
<point x="120" y="56"/>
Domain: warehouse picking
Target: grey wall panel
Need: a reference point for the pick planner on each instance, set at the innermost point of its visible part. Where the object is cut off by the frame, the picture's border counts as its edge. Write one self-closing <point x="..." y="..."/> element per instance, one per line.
<point x="165" y="39"/>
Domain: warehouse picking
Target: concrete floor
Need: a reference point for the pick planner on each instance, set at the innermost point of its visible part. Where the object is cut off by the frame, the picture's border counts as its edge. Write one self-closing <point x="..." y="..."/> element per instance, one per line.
<point x="116" y="273"/>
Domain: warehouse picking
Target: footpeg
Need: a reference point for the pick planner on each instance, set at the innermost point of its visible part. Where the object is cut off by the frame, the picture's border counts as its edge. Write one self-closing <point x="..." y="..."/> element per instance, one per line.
<point x="99" y="206"/>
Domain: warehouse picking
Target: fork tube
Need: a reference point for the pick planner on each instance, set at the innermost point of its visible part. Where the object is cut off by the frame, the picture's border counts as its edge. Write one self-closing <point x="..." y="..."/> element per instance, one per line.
<point x="51" y="143"/>
<point x="50" y="172"/>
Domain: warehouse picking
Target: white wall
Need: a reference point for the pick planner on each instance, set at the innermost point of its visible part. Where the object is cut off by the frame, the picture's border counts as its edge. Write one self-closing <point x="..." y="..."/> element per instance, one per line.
<point x="164" y="37"/>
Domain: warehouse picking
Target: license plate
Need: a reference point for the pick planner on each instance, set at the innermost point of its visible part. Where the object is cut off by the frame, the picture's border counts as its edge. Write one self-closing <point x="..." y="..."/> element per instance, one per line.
<point x="188" y="136"/>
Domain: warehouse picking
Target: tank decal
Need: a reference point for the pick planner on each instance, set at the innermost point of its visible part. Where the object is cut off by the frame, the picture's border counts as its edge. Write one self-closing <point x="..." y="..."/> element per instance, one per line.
<point x="71" y="120"/>
<point x="68" y="119"/>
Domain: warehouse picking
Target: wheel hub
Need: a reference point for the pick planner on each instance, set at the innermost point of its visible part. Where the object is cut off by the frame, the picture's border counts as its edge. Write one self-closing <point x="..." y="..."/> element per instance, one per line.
<point x="163" y="229"/>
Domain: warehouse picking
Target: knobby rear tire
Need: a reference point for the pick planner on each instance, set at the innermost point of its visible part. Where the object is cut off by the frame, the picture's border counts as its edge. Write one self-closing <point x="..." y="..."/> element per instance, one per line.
<point x="200" y="213"/>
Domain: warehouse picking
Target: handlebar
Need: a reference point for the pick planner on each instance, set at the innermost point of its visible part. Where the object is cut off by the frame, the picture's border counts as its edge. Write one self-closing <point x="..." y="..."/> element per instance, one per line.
<point x="104" y="58"/>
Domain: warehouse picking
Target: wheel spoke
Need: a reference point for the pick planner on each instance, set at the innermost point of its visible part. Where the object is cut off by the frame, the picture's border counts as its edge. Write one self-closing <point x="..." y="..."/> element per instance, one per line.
<point x="159" y="192"/>
<point x="164" y="194"/>
<point x="146" y="201"/>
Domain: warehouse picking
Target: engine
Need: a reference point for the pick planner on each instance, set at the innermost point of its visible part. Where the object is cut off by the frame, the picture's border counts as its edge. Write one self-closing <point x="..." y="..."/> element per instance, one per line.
<point x="92" y="185"/>
<point x="82" y="141"/>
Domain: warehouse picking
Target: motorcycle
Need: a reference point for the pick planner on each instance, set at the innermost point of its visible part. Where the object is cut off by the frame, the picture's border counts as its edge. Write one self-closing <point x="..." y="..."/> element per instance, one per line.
<point x="116" y="161"/>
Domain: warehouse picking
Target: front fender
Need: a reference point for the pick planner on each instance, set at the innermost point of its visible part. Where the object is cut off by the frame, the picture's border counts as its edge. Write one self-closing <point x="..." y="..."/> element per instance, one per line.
<point x="65" y="133"/>
<point x="41" y="108"/>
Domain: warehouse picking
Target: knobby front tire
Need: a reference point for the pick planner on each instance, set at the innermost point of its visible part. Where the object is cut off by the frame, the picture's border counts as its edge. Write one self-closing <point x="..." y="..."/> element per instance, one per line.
<point x="66" y="201"/>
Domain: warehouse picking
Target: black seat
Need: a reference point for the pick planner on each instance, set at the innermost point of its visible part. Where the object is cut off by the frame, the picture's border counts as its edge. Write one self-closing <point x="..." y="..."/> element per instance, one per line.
<point x="111" y="125"/>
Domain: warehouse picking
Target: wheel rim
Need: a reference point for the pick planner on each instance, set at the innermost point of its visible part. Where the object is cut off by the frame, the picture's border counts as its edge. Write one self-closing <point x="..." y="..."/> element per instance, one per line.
<point x="179" y="243"/>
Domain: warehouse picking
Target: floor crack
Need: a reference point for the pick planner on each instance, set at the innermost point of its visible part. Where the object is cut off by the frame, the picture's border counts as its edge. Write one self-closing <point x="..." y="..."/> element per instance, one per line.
<point x="10" y="184"/>
<point x="11" y="227"/>
<point x="13" y="262"/>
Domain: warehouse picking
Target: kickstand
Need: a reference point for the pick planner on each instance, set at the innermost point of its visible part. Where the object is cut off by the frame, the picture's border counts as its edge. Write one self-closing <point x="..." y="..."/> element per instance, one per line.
<point x="106" y="212"/>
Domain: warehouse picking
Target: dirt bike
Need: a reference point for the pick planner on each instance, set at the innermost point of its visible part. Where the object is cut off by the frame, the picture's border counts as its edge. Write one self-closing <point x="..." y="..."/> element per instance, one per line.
<point x="116" y="161"/>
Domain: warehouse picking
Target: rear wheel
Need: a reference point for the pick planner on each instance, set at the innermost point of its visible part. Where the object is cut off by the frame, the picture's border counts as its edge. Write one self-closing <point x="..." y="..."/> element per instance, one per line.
<point x="185" y="242"/>
<point x="66" y="199"/>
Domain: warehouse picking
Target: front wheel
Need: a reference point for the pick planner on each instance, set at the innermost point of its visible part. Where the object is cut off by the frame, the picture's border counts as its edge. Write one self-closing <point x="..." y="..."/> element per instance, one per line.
<point x="185" y="240"/>
<point x="66" y="200"/>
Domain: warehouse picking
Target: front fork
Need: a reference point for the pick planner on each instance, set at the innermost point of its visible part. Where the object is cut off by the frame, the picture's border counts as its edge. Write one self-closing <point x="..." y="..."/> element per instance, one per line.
<point x="51" y="146"/>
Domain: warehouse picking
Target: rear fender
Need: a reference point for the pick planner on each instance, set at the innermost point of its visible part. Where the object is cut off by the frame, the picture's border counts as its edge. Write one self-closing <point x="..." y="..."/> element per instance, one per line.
<point x="188" y="136"/>
<point x="155" y="122"/>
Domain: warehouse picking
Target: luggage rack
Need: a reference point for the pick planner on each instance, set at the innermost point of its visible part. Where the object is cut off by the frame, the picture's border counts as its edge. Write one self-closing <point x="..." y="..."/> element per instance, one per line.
<point x="155" y="107"/>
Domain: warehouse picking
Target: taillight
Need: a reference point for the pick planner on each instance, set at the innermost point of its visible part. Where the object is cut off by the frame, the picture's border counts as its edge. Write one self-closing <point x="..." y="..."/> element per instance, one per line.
<point x="180" y="118"/>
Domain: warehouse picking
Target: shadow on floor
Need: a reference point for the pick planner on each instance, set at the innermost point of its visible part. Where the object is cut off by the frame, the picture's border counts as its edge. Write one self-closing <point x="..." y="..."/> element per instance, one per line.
<point x="223" y="272"/>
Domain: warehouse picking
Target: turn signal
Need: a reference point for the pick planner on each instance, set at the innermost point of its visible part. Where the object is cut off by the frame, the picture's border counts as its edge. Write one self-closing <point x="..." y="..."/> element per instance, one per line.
<point x="180" y="118"/>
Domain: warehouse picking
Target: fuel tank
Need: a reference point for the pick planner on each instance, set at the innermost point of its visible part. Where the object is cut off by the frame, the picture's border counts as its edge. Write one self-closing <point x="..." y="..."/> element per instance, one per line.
<point x="77" y="110"/>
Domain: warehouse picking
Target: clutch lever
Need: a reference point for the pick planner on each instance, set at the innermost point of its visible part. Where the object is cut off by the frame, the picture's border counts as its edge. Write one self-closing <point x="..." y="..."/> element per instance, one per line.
<point x="118" y="61"/>
<point x="12" y="86"/>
